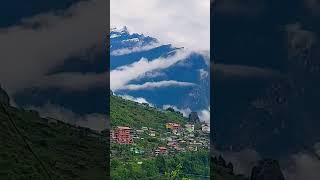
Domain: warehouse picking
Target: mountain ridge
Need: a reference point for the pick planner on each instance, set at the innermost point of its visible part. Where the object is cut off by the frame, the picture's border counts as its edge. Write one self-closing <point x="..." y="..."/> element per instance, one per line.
<point x="189" y="70"/>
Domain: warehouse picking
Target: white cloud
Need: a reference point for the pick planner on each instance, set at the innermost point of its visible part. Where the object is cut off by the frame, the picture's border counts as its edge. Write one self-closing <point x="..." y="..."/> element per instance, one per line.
<point x="203" y="73"/>
<point x="93" y="121"/>
<point x="114" y="36"/>
<point x="74" y="81"/>
<point x="153" y="74"/>
<point x="130" y="40"/>
<point x="303" y="166"/>
<point x="136" y="99"/>
<point x="124" y="74"/>
<point x="317" y="148"/>
<point x="185" y="111"/>
<point x="204" y="115"/>
<point x="125" y="51"/>
<point x="160" y="84"/>
<point x="183" y="23"/>
<point x="243" y="161"/>
<point x="298" y="166"/>
<point x="29" y="53"/>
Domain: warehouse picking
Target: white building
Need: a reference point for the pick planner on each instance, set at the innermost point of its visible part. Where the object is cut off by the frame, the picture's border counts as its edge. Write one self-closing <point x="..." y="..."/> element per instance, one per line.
<point x="205" y="128"/>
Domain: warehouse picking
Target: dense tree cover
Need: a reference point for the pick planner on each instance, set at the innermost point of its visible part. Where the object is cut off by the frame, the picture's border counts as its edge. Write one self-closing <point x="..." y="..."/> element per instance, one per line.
<point x="125" y="164"/>
<point x="128" y="113"/>
<point x="188" y="165"/>
<point x="69" y="152"/>
<point x="66" y="152"/>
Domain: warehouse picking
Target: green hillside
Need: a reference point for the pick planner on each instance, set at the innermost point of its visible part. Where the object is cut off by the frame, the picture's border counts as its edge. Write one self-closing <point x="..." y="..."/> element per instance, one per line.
<point x="43" y="147"/>
<point x="128" y="113"/>
<point x="194" y="165"/>
<point x="64" y="151"/>
<point x="38" y="148"/>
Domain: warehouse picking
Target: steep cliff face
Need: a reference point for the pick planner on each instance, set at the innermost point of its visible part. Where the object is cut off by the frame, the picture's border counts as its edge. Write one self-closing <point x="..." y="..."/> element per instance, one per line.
<point x="193" y="117"/>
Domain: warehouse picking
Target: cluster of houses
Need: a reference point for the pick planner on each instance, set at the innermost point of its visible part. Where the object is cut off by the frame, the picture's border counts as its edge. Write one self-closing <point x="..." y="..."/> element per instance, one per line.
<point x="177" y="138"/>
<point x="187" y="138"/>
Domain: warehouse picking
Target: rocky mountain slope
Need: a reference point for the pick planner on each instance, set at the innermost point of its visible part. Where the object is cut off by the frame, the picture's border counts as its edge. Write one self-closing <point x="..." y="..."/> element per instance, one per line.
<point x="165" y="77"/>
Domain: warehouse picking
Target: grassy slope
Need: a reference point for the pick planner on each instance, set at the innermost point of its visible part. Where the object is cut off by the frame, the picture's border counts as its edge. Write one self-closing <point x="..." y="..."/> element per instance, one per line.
<point x="129" y="113"/>
<point x="68" y="153"/>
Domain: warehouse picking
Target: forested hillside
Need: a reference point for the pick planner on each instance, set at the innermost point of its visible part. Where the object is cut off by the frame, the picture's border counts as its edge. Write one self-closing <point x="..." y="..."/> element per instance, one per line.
<point x="129" y="113"/>
<point x="36" y="148"/>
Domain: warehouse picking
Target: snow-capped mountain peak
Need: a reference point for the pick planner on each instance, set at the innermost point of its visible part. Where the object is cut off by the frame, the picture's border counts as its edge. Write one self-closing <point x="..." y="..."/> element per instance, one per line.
<point x="159" y="73"/>
<point x="121" y="30"/>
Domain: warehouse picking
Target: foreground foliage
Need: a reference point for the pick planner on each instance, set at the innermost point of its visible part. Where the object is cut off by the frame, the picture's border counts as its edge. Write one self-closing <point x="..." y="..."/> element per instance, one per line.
<point x="64" y="151"/>
<point x="187" y="165"/>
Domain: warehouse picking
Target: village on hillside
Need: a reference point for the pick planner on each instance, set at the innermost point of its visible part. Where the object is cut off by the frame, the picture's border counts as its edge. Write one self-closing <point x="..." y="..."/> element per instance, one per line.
<point x="148" y="141"/>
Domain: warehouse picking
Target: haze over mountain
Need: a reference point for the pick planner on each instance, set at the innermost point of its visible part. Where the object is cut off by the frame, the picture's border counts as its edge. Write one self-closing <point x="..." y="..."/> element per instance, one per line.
<point x="145" y="70"/>
<point x="266" y="93"/>
<point x="53" y="63"/>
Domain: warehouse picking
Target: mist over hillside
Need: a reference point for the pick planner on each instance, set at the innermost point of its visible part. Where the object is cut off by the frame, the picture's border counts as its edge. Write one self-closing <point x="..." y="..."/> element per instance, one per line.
<point x="144" y="69"/>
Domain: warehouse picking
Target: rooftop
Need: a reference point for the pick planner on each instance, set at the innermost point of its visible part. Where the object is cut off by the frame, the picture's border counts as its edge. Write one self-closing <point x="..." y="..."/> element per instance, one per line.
<point x="123" y="127"/>
<point x="162" y="148"/>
